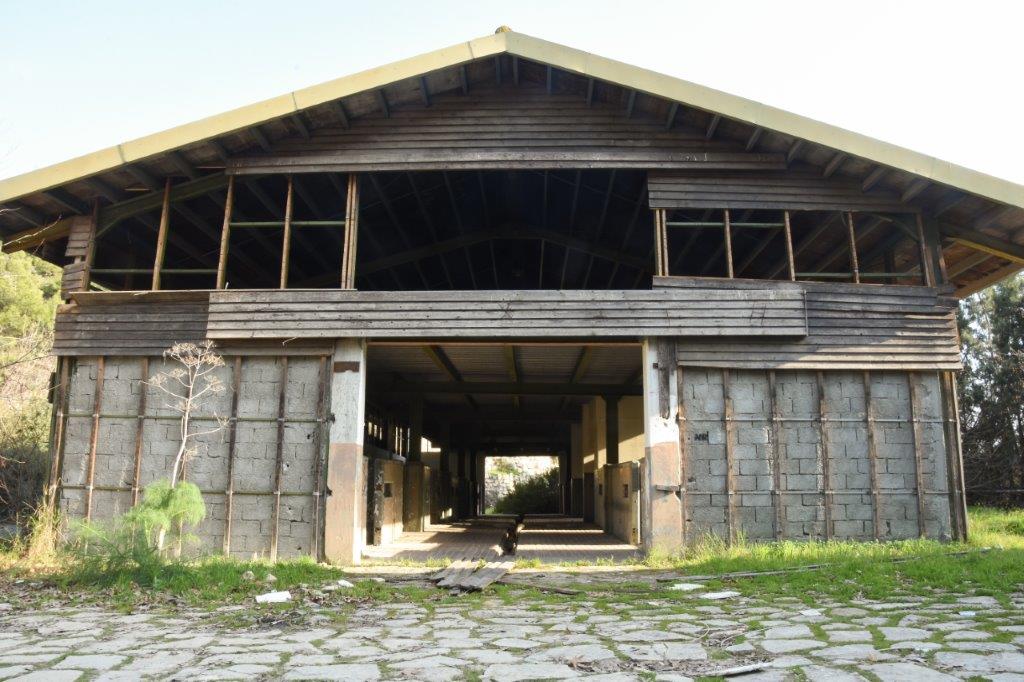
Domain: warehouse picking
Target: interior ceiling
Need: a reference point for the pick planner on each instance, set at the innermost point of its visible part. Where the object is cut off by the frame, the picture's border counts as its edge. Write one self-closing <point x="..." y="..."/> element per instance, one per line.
<point x="38" y="212"/>
<point x="537" y="411"/>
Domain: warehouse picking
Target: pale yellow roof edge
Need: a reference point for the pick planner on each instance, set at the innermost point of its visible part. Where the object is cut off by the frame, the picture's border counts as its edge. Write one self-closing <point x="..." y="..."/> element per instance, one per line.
<point x="535" y="49"/>
<point x="771" y="118"/>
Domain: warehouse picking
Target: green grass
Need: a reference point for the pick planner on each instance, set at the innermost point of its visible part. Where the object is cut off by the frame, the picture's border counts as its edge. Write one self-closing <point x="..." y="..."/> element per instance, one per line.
<point x="993" y="565"/>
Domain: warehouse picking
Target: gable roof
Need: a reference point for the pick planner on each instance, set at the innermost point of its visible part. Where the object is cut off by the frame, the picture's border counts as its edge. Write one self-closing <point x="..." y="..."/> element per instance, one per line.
<point x="1000" y="215"/>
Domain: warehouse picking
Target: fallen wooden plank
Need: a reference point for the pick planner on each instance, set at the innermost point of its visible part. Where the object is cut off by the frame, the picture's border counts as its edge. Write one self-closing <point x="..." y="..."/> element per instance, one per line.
<point x="486" y="575"/>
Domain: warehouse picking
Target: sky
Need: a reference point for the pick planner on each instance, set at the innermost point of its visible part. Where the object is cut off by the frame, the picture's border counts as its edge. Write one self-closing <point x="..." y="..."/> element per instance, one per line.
<point x="943" y="78"/>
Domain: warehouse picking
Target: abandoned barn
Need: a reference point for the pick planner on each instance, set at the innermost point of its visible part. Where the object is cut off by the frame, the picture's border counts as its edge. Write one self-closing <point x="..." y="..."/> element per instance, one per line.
<point x="720" y="317"/>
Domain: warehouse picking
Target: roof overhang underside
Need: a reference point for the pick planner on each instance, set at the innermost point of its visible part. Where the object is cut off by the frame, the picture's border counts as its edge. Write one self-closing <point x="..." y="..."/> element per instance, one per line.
<point x="981" y="217"/>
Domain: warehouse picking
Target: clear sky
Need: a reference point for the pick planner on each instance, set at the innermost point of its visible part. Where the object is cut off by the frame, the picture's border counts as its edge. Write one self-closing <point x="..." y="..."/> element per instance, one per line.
<point x="938" y="77"/>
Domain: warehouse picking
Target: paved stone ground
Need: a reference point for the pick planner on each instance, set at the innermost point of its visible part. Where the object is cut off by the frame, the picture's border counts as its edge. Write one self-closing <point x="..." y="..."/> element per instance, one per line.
<point x="522" y="636"/>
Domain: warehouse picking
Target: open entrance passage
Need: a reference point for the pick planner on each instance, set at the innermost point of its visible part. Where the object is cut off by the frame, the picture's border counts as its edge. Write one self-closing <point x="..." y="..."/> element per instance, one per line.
<point x="464" y="438"/>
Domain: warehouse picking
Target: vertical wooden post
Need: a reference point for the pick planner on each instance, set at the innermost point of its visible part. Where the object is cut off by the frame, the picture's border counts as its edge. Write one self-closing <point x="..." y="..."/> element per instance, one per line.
<point x="730" y="483"/>
<point x="97" y="405"/>
<point x="659" y="258"/>
<point x="927" y="276"/>
<point x="869" y="418"/>
<point x="225" y="235"/>
<point x="826" y="486"/>
<point x="286" y="246"/>
<point x="959" y="457"/>
<point x="229" y="493"/>
<point x="852" y="234"/>
<point x="140" y="426"/>
<point x="348" y="257"/>
<point x="915" y="418"/>
<point x="279" y="457"/>
<point x="789" y="246"/>
<point x="952" y="454"/>
<point x="776" y="454"/>
<point x="59" y="427"/>
<point x="727" y="225"/>
<point x="664" y="243"/>
<point x="161" y="237"/>
<point x="319" y="452"/>
<point x="931" y="250"/>
<point x="684" y="452"/>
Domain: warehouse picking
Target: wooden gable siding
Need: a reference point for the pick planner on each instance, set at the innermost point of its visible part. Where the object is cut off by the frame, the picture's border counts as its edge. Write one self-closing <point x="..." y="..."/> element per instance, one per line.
<point x="848" y="327"/>
<point x="126" y="324"/>
<point x="510" y="128"/>
<point x="790" y="190"/>
<point x="506" y="314"/>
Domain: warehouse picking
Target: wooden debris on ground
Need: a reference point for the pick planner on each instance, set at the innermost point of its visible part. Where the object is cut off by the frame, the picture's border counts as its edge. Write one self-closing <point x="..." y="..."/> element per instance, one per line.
<point x="468" y="576"/>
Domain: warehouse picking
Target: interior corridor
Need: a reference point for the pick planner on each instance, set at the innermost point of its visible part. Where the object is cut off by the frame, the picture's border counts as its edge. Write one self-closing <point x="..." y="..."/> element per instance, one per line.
<point x="549" y="539"/>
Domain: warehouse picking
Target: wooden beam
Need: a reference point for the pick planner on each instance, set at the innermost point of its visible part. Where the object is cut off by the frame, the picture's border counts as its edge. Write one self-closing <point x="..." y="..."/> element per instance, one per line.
<point x="979" y="241"/>
<point x="382" y="100"/>
<point x="94" y="433"/>
<point x="673" y="109"/>
<point x="834" y="164"/>
<point x="37" y="236"/>
<point x="913" y="189"/>
<point x="299" y="124"/>
<point x="111" y="215"/>
<point x="508" y="388"/>
<point x="229" y="493"/>
<point x="730" y="457"/>
<point x="755" y="135"/>
<point x="590" y="93"/>
<point x="339" y="111"/>
<point x="225" y="236"/>
<point x="712" y="126"/>
<point x="918" y="442"/>
<point x="630" y="104"/>
<point x="873" y="177"/>
<point x="424" y="91"/>
<point x="286" y="242"/>
<point x="851" y="233"/>
<point x="869" y="418"/>
<point x="972" y="261"/>
<point x="275" y="527"/>
<point x="776" y="455"/>
<point x="988" y="280"/>
<point x="161" y="239"/>
<point x="793" y="150"/>
<point x="826" y="476"/>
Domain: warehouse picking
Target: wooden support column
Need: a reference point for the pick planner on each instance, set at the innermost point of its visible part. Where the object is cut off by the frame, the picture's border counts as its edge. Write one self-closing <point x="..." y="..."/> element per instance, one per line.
<point x="161" y="237"/>
<point x="918" y="440"/>
<point x="933" y="249"/>
<point x="727" y="229"/>
<point x="225" y="235"/>
<point x="286" y="245"/>
<point x="344" y="520"/>
<point x="97" y="405"/>
<point x="229" y="494"/>
<point x="788" y="229"/>
<point x="60" y="422"/>
<point x="927" y="274"/>
<point x="776" y="454"/>
<point x="660" y="243"/>
<point x="956" y="456"/>
<point x="852" y="236"/>
<point x="684" y="455"/>
<point x="869" y="417"/>
<point x="826" y="477"/>
<point x="320" y="437"/>
<point x="140" y="421"/>
<point x="730" y="472"/>
<point x="279" y="457"/>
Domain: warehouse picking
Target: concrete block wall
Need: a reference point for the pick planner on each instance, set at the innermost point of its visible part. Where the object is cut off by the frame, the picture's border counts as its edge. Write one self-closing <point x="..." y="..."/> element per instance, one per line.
<point x="255" y="452"/>
<point x="803" y="490"/>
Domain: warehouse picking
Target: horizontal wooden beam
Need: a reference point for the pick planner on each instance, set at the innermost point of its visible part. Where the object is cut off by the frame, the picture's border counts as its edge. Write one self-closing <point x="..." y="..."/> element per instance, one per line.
<point x="36" y="236"/>
<point x="979" y="241"/>
<point x="506" y="388"/>
<point x="111" y="215"/>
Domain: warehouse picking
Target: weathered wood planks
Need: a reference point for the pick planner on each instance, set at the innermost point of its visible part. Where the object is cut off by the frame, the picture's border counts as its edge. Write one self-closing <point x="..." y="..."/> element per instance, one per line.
<point x="503" y="129"/>
<point x="849" y="326"/>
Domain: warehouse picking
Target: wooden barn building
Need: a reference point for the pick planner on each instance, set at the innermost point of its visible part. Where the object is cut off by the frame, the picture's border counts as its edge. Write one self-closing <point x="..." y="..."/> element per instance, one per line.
<point x="721" y="317"/>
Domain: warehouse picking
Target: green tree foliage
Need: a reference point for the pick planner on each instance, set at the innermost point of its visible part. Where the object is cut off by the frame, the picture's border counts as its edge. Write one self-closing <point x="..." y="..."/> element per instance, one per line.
<point x="29" y="289"/>
<point x="534" y="495"/>
<point x="991" y="391"/>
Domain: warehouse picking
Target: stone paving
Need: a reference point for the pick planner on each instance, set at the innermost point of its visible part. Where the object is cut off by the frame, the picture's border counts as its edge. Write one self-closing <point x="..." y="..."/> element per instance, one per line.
<point x="517" y="635"/>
